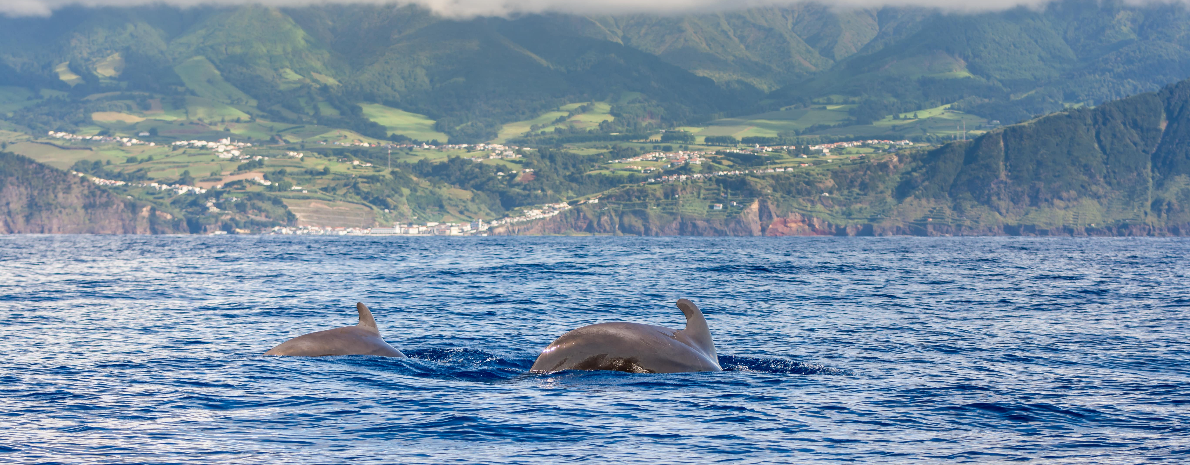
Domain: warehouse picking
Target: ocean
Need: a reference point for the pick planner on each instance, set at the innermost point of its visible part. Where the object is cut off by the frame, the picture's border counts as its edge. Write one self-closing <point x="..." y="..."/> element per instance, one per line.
<point x="143" y="349"/>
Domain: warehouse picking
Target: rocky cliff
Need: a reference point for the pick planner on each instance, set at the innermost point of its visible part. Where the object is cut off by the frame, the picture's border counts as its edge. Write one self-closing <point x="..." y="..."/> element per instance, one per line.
<point x="760" y="219"/>
<point x="38" y="199"/>
<point x="1121" y="169"/>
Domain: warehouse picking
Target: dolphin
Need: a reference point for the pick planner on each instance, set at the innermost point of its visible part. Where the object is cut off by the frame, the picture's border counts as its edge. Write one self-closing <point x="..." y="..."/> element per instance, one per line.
<point x="361" y="339"/>
<point x="634" y="347"/>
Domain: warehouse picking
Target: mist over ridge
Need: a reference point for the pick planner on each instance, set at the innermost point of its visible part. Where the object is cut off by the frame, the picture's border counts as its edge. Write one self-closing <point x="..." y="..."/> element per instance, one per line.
<point x="472" y="8"/>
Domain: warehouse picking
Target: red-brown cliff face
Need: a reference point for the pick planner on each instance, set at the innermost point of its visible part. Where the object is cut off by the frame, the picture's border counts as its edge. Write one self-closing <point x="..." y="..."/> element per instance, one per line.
<point x="761" y="218"/>
<point x="758" y="219"/>
<point x="38" y="199"/>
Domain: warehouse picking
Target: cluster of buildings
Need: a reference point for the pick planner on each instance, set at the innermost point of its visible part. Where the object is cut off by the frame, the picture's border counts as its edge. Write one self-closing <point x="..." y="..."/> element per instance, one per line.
<point x="354" y="143"/>
<point x="696" y="158"/>
<point x="433" y="229"/>
<point x="125" y="141"/>
<point x="676" y="158"/>
<point x="543" y="212"/>
<point x="319" y="231"/>
<point x="527" y="170"/>
<point x="826" y="148"/>
<point x="474" y="228"/>
<point x="161" y="187"/>
<point x="698" y="176"/>
<point x="477" y="227"/>
<point x="265" y="182"/>
<point x="224" y="148"/>
<point x="498" y="151"/>
<point x="428" y="229"/>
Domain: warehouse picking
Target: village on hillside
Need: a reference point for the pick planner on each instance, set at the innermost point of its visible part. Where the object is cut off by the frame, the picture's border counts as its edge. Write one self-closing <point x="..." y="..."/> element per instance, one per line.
<point x="654" y="161"/>
<point x="474" y="228"/>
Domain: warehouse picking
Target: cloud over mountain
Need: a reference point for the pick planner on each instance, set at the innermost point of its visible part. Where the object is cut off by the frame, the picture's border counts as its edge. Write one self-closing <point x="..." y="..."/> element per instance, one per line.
<point x="464" y="8"/>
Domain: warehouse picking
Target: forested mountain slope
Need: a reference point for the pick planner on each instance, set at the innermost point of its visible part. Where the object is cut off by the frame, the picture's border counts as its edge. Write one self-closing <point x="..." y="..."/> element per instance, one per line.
<point x="1119" y="169"/>
<point x="313" y="64"/>
<point x="1020" y="63"/>
<point x="1125" y="164"/>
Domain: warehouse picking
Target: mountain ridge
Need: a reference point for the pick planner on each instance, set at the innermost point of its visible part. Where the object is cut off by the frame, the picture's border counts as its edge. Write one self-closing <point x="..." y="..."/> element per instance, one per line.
<point x="1121" y="169"/>
<point x="1007" y="66"/>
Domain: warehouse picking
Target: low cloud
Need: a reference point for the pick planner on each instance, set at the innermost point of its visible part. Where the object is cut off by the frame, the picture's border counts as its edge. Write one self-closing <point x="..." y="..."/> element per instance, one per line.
<point x="467" y="8"/>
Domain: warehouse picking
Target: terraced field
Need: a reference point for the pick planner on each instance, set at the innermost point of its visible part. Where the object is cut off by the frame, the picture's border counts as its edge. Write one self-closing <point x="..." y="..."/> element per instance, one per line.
<point x="311" y="212"/>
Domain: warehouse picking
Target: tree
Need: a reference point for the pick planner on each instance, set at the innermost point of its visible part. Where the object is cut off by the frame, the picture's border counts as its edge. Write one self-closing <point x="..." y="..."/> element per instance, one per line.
<point x="681" y="137"/>
<point x="721" y="140"/>
<point x="186" y="179"/>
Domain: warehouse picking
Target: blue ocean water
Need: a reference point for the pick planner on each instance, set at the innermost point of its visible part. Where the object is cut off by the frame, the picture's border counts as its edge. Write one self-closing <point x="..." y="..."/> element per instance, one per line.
<point x="135" y="349"/>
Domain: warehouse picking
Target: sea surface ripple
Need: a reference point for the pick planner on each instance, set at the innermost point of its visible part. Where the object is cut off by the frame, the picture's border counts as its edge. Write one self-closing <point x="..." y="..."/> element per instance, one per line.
<point x="137" y="349"/>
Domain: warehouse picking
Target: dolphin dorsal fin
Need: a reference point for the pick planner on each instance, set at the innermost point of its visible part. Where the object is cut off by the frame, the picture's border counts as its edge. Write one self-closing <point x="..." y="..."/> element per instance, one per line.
<point x="696" y="327"/>
<point x="365" y="318"/>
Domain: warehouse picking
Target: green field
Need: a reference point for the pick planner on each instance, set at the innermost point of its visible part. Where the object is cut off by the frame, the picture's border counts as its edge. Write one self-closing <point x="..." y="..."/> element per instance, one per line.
<point x="936" y="121"/>
<point x="204" y="109"/>
<point x="68" y="76"/>
<point x="773" y="123"/>
<point x="201" y="76"/>
<point x="600" y="112"/>
<point x="411" y="125"/>
<point x="15" y="98"/>
<point x="512" y="130"/>
<point x="291" y="79"/>
<point x="324" y="79"/>
<point x="115" y="117"/>
<point x="110" y="67"/>
<point x="6" y="135"/>
<point x="60" y="158"/>
<point x="340" y="135"/>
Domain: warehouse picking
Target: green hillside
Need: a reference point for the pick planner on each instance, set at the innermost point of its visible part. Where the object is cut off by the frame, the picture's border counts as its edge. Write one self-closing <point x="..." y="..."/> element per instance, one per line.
<point x="1122" y="165"/>
<point x="483" y="78"/>
<point x="1116" y="169"/>
<point x="411" y="125"/>
<point x="200" y="76"/>
<point x="587" y="98"/>
<point x="1119" y="169"/>
<point x="1014" y="65"/>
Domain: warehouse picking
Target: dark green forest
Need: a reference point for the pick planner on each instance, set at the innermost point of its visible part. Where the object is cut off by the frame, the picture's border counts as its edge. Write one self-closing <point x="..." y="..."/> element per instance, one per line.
<point x="471" y="76"/>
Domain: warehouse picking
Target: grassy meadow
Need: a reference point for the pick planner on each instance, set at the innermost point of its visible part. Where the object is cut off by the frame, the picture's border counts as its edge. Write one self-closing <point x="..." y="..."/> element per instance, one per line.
<point x="411" y="125"/>
<point x="936" y="121"/>
<point x="600" y="111"/>
<point x="205" y="80"/>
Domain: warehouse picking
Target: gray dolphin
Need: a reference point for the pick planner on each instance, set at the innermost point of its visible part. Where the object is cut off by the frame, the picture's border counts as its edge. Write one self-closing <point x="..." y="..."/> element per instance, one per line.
<point x="634" y="347"/>
<point x="361" y="339"/>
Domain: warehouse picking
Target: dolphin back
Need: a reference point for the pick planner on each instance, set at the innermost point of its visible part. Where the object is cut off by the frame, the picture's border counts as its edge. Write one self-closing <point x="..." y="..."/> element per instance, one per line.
<point x="361" y="339"/>
<point x="634" y="347"/>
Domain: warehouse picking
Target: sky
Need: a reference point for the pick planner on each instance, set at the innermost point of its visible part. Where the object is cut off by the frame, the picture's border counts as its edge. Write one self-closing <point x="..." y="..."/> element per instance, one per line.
<point x="467" y="8"/>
